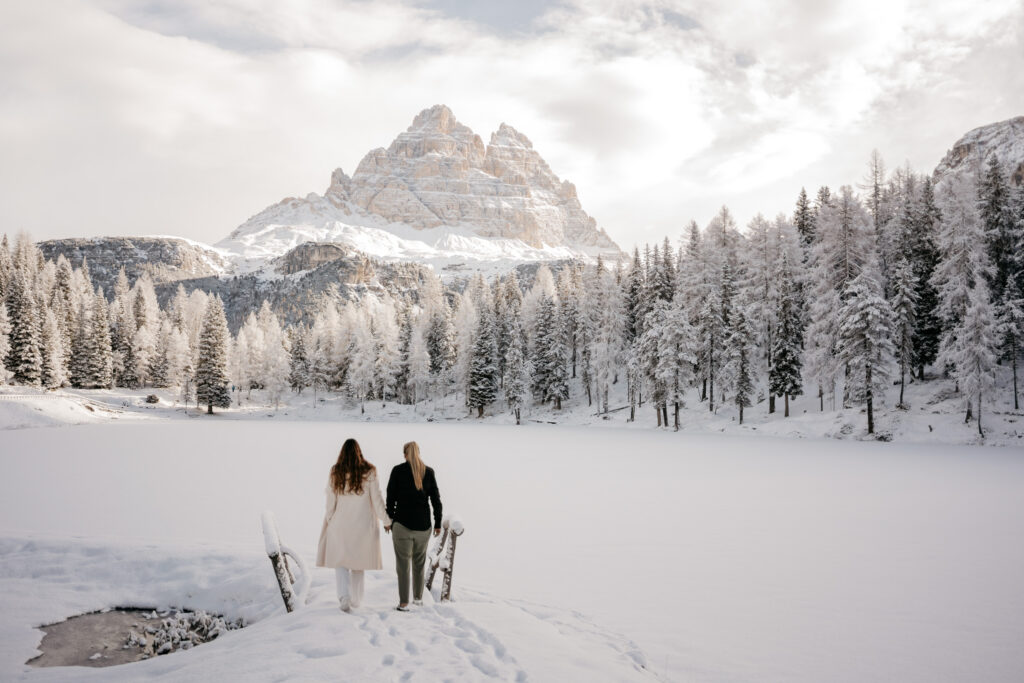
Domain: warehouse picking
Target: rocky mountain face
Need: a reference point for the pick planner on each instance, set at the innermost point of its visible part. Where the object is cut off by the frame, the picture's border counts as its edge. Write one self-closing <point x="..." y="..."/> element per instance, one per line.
<point x="1004" y="139"/>
<point x="164" y="259"/>
<point x="435" y="182"/>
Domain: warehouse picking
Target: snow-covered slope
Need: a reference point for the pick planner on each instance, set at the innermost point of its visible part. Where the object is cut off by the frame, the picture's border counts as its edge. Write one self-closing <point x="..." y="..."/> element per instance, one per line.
<point x="1004" y="139"/>
<point x="436" y="195"/>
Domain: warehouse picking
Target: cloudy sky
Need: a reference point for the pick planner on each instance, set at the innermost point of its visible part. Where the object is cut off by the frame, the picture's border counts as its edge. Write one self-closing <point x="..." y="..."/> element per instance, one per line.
<point x="185" y="117"/>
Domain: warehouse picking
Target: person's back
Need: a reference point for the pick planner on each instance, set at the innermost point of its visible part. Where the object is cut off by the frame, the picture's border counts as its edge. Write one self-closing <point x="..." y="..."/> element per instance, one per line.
<point x="409" y="506"/>
<point x="412" y="496"/>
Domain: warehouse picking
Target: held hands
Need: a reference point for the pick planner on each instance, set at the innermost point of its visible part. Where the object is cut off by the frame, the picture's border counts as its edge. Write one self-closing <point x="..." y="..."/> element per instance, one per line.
<point x="387" y="528"/>
<point x="437" y="532"/>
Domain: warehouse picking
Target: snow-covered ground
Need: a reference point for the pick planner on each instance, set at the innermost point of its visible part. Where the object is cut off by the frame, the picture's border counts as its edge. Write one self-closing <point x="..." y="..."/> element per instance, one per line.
<point x="588" y="552"/>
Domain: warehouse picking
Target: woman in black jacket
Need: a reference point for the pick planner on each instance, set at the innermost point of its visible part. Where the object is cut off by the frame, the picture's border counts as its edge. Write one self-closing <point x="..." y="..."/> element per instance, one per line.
<point x="412" y="492"/>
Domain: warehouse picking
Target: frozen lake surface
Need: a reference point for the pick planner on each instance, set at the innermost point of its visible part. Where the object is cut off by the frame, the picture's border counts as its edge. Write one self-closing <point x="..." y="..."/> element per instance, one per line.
<point x="724" y="558"/>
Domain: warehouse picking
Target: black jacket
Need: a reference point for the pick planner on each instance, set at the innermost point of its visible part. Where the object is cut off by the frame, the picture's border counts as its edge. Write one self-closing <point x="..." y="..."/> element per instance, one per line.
<point x="409" y="506"/>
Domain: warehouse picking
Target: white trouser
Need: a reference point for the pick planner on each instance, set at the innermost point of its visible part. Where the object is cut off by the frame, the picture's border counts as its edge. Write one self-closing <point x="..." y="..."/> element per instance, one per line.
<point x="350" y="585"/>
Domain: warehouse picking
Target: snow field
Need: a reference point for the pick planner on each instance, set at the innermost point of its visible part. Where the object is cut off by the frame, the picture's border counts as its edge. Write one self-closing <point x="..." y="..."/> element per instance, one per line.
<point x="725" y="558"/>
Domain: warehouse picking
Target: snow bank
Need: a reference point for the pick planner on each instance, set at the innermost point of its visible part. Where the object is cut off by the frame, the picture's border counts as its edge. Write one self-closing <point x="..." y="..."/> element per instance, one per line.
<point x="481" y="637"/>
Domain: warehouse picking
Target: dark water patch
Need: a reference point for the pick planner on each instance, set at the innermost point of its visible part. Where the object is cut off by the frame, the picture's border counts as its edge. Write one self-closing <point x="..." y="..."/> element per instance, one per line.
<point x="125" y="635"/>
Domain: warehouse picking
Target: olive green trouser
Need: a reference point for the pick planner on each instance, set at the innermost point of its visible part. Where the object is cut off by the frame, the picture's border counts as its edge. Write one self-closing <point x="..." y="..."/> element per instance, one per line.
<point x="410" y="548"/>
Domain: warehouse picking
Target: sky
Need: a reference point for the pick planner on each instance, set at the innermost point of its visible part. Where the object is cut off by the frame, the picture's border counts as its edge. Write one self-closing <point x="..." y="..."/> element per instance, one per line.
<point x="186" y="117"/>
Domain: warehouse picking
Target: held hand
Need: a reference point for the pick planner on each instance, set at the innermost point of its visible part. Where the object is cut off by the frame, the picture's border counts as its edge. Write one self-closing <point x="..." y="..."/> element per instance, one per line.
<point x="387" y="529"/>
<point x="437" y="532"/>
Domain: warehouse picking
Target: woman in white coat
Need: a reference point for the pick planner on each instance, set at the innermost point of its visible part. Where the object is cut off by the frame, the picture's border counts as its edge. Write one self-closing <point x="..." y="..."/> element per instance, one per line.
<point x="350" y="537"/>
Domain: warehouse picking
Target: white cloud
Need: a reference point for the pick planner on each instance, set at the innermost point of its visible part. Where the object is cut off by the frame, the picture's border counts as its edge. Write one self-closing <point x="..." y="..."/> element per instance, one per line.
<point x="186" y="117"/>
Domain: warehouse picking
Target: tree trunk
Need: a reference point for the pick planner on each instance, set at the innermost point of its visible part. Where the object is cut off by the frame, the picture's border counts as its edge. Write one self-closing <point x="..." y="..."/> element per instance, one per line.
<point x="786" y="414"/>
<point x="869" y="397"/>
<point x="969" y="415"/>
<point x="517" y="415"/>
<point x="771" y="403"/>
<point x="902" y="384"/>
<point x="741" y="412"/>
<point x="704" y="390"/>
<point x="979" y="416"/>
<point x="664" y="412"/>
<point x="711" y="393"/>
<point x="1016" y="403"/>
<point x="676" y="409"/>
<point x="590" y="400"/>
<point x="558" y="404"/>
<point x="479" y="411"/>
<point x="821" y="397"/>
<point x="209" y="409"/>
<point x="657" y="411"/>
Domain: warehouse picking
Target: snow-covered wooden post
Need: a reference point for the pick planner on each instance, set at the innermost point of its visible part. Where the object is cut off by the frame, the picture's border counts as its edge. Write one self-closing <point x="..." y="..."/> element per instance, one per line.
<point x="435" y="558"/>
<point x="279" y="555"/>
<point x="444" y="558"/>
<point x="456" y="528"/>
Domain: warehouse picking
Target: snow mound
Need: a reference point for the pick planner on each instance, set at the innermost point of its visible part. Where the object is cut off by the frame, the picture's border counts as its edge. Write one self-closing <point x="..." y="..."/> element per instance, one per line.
<point x="25" y="408"/>
<point x="480" y="636"/>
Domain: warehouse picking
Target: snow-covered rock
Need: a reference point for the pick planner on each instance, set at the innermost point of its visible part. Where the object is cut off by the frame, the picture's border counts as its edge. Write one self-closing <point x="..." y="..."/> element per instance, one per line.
<point x="1004" y="139"/>
<point x="436" y="194"/>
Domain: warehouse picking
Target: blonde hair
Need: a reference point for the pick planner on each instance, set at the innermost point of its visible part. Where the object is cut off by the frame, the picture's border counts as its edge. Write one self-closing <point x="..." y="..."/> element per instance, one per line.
<point x="411" y="451"/>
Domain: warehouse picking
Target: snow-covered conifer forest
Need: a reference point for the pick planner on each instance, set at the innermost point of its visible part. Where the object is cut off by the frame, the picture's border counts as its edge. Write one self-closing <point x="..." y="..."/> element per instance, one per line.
<point x="858" y="293"/>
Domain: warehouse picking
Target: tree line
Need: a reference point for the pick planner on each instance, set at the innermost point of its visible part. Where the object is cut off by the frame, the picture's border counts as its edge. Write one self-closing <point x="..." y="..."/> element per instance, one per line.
<point x="894" y="281"/>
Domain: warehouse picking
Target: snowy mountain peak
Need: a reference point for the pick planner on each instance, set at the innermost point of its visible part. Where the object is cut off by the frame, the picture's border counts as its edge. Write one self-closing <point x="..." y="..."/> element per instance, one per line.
<point x="436" y="193"/>
<point x="1004" y="139"/>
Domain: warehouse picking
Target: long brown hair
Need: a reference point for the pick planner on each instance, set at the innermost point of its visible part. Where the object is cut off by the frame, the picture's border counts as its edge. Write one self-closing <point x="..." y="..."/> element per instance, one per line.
<point x="411" y="451"/>
<point x="351" y="470"/>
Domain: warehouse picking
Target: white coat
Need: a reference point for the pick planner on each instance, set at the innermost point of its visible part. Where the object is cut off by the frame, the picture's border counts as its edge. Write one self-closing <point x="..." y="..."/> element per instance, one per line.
<point x="350" y="536"/>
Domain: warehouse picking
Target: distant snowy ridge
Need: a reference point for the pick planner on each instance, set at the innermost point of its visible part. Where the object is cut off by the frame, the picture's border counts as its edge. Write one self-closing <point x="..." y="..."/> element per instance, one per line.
<point x="437" y="195"/>
<point x="1004" y="139"/>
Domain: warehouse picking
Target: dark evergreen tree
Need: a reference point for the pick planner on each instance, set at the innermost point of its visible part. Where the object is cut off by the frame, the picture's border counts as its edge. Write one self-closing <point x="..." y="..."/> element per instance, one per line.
<point x="24" y="360"/>
<point x="904" y="307"/>
<point x="924" y="257"/>
<point x="785" y="377"/>
<point x="298" y="375"/>
<point x="212" y="367"/>
<point x="1002" y="241"/>
<point x="517" y="374"/>
<point x="482" y="387"/>
<point x="803" y="219"/>
<point x="634" y="297"/>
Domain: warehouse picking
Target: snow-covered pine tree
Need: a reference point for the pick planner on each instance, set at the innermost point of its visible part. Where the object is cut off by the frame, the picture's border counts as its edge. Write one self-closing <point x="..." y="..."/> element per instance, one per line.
<point x="740" y="357"/>
<point x="5" y="331"/>
<point x="649" y="348"/>
<point x="711" y="333"/>
<point x="24" y="360"/>
<point x="606" y="324"/>
<point x="974" y="353"/>
<point x="925" y="257"/>
<point x="160" y="366"/>
<point x="1010" y="315"/>
<point x="963" y="259"/>
<point x="402" y="383"/>
<point x="904" y="308"/>
<point x="865" y="340"/>
<point x="550" y="376"/>
<point x="517" y="374"/>
<point x="482" y="384"/>
<point x="803" y="218"/>
<point x="99" y="365"/>
<point x="761" y="287"/>
<point x="419" y="367"/>
<point x="634" y="292"/>
<point x="1001" y="232"/>
<point x="6" y="269"/>
<point x="51" y="348"/>
<point x="212" y="367"/>
<point x="298" y="375"/>
<point x="361" y="371"/>
<point x="122" y="328"/>
<point x="785" y="375"/>
<point x="466" y="321"/>
<point x="318" y="371"/>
